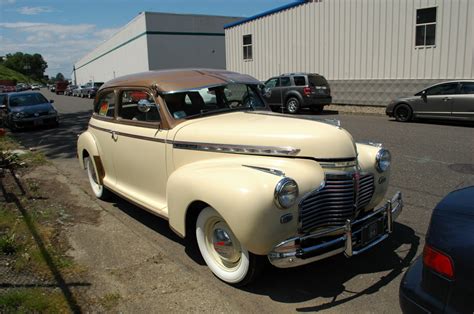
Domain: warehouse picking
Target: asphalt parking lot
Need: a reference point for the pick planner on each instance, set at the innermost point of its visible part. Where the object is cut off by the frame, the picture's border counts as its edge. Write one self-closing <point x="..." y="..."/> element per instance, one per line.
<point x="428" y="160"/>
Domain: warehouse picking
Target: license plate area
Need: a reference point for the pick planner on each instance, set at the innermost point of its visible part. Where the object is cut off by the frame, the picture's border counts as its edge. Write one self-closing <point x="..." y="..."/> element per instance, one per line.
<point x="38" y="122"/>
<point x="372" y="231"/>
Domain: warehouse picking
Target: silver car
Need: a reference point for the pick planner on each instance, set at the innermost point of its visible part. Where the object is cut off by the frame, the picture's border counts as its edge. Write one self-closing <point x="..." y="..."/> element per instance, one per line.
<point x="448" y="100"/>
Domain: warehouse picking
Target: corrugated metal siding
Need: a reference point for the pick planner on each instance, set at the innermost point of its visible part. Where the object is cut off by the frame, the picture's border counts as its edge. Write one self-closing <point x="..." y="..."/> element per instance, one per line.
<point x="357" y="40"/>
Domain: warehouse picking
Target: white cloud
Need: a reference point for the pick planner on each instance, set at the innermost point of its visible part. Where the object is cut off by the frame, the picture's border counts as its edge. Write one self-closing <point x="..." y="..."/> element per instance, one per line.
<point x="61" y="45"/>
<point x="34" y="10"/>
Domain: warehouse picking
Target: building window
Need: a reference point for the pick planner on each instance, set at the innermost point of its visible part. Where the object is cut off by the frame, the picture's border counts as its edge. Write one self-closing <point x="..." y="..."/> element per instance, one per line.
<point x="425" y="27"/>
<point x="247" y="47"/>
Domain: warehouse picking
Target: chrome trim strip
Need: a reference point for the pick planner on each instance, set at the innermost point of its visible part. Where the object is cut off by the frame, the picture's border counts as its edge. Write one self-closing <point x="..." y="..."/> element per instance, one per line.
<point x="238" y="149"/>
<point x="338" y="164"/>
<point x="139" y="137"/>
<point x="276" y="172"/>
<point x="374" y="144"/>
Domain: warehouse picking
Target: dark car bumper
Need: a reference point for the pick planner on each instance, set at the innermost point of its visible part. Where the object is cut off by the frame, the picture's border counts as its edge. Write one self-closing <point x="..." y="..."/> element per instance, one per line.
<point x="312" y="101"/>
<point x="413" y="298"/>
<point x="35" y="122"/>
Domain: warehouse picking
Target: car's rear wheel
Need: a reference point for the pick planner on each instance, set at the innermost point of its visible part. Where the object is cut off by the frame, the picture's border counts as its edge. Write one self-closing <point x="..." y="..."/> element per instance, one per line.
<point x="293" y="105"/>
<point x="403" y="113"/>
<point x="100" y="191"/>
<point x="222" y="251"/>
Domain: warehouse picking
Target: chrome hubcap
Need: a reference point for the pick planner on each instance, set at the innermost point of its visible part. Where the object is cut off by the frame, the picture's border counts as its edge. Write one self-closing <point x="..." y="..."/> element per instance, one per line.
<point x="292" y="106"/>
<point x="224" y="247"/>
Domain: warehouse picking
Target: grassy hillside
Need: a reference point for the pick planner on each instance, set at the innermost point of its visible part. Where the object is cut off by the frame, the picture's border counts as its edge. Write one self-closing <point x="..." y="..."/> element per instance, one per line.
<point x="9" y="74"/>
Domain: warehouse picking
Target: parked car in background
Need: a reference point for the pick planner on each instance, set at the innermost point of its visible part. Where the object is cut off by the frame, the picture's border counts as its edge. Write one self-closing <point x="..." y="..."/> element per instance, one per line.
<point x="2" y="88"/>
<point x="441" y="280"/>
<point x="35" y="87"/>
<point x="453" y="100"/>
<point x="202" y="149"/>
<point x="69" y="89"/>
<point x="294" y="91"/>
<point x="77" y="91"/>
<point x="52" y="88"/>
<point x="61" y="87"/>
<point x="27" y="109"/>
<point x="90" y="90"/>
<point x="9" y="89"/>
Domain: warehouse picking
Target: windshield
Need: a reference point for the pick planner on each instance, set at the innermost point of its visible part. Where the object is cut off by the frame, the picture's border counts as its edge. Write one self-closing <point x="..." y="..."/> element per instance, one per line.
<point x="27" y="100"/>
<point x="2" y="98"/>
<point x="224" y="98"/>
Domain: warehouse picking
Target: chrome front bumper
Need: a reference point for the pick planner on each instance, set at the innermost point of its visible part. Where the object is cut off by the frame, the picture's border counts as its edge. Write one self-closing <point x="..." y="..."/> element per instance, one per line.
<point x="350" y="238"/>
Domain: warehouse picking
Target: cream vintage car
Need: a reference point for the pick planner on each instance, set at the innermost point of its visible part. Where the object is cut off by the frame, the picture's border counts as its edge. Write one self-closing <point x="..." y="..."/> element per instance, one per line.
<point x="201" y="149"/>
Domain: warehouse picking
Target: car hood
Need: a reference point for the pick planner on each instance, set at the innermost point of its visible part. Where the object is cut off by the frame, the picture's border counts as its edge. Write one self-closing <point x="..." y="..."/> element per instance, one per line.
<point x="309" y="138"/>
<point x="32" y="109"/>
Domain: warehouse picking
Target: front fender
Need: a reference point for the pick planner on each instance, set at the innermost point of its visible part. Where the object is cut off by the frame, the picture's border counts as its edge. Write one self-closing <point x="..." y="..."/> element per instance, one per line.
<point x="242" y="195"/>
<point x="366" y="160"/>
<point x="86" y="142"/>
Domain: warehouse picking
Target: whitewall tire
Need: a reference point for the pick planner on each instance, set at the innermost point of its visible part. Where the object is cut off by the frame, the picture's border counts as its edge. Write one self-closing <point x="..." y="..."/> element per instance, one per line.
<point x="99" y="190"/>
<point x="222" y="252"/>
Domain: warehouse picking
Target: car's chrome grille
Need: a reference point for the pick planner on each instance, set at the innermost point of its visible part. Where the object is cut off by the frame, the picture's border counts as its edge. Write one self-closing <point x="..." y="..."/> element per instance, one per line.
<point x="335" y="202"/>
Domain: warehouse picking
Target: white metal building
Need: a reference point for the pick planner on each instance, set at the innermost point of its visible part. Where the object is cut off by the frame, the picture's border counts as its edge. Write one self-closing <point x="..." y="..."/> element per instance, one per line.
<point x="369" y="50"/>
<point x="153" y="41"/>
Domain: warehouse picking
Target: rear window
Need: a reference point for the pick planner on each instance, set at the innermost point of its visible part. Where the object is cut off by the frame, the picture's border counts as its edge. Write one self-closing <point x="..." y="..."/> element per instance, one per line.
<point x="299" y="80"/>
<point x="317" y="80"/>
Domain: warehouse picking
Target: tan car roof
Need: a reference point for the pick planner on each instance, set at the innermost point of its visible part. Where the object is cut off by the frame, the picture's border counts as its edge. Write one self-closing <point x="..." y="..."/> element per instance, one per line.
<point x="181" y="79"/>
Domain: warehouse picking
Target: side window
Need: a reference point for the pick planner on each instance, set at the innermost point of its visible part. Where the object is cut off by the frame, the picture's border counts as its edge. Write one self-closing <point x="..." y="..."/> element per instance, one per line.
<point x="128" y="109"/>
<point x="285" y="81"/>
<point x="247" y="46"/>
<point x="299" y="80"/>
<point x="467" y="88"/>
<point x="425" y="27"/>
<point x="443" y="89"/>
<point x="271" y="83"/>
<point x="105" y="106"/>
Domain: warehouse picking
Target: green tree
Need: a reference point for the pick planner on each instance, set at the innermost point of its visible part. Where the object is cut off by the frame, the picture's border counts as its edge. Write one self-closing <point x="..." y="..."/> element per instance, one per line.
<point x="59" y="77"/>
<point x="31" y="65"/>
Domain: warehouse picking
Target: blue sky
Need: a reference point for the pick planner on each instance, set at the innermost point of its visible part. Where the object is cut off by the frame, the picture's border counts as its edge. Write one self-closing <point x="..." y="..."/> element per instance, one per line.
<point x="64" y="31"/>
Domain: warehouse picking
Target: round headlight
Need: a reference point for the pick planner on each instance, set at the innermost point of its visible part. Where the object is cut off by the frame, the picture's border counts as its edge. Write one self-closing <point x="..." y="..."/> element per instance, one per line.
<point x="382" y="160"/>
<point x="286" y="192"/>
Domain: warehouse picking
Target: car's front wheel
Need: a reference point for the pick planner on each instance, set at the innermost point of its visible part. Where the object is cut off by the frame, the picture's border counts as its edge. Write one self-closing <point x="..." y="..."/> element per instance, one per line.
<point x="403" y="113"/>
<point x="100" y="191"/>
<point x="222" y="251"/>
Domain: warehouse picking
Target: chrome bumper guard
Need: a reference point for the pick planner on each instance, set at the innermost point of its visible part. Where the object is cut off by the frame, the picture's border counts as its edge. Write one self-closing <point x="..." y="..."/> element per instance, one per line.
<point x="348" y="238"/>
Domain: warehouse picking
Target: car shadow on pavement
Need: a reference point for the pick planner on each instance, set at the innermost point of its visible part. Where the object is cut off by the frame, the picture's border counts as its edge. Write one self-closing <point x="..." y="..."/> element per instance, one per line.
<point x="57" y="142"/>
<point x="328" y="278"/>
<point x="466" y="124"/>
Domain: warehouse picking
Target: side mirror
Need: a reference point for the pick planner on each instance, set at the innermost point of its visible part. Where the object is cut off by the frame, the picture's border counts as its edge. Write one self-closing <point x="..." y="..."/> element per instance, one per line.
<point x="267" y="92"/>
<point x="144" y="105"/>
<point x="423" y="94"/>
<point x="51" y="101"/>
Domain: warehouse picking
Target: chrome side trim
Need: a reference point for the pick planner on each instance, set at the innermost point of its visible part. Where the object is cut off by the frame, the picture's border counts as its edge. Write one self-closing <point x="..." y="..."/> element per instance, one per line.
<point x="268" y="170"/>
<point x="139" y="137"/>
<point x="338" y="164"/>
<point x="374" y="144"/>
<point x="238" y="149"/>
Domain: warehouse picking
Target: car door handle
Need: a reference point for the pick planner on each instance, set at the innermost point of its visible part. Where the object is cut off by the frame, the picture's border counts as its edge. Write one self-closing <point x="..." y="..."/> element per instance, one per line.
<point x="447" y="98"/>
<point x="114" y="135"/>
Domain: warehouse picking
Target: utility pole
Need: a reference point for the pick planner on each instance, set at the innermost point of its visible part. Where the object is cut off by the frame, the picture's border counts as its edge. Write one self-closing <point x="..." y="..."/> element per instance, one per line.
<point x="74" y="70"/>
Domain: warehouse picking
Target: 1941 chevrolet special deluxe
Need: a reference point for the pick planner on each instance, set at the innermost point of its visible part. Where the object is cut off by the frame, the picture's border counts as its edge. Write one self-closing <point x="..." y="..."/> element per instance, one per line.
<point x="201" y="149"/>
